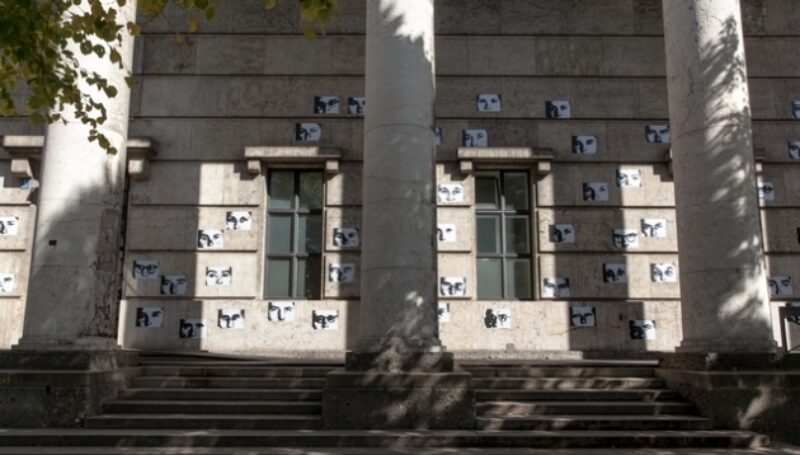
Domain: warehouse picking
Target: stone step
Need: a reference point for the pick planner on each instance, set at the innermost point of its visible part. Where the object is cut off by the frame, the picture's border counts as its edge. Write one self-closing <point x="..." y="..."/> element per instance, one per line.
<point x="237" y="371"/>
<point x="212" y="407"/>
<point x="373" y="451"/>
<point x="561" y="372"/>
<point x="595" y="422"/>
<point x="204" y="422"/>
<point x="365" y="439"/>
<point x="210" y="362"/>
<point x="568" y="383"/>
<point x="518" y="408"/>
<point x="234" y="383"/>
<point x="575" y="394"/>
<point x="223" y="394"/>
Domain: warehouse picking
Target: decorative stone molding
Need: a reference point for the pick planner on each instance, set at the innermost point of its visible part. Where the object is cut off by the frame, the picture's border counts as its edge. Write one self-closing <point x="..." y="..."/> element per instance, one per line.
<point x="291" y="157"/>
<point x="760" y="157"/>
<point x="472" y="158"/>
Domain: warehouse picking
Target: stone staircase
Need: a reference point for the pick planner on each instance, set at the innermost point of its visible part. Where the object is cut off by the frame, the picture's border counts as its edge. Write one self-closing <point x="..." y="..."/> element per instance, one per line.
<point x="191" y="405"/>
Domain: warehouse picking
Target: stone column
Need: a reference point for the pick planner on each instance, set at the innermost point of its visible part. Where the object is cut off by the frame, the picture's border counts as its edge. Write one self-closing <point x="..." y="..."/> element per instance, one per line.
<point x="725" y="304"/>
<point x="73" y="293"/>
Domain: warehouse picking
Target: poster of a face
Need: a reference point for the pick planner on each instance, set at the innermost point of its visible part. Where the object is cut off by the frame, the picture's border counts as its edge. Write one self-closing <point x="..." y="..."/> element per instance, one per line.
<point x="279" y="311"/>
<point x="356" y="105"/>
<point x="629" y="178"/>
<point x="562" y="233"/>
<point x="654" y="227"/>
<point x="446" y="233"/>
<point x="346" y="237"/>
<point x="145" y="269"/>
<point x="173" y="284"/>
<point x="474" y="138"/>
<point x="796" y="109"/>
<point x="150" y="317"/>
<point x="341" y="273"/>
<point x="450" y="193"/>
<point x="582" y="316"/>
<point x="326" y="104"/>
<point x="437" y="134"/>
<point x="9" y="225"/>
<point x="219" y="276"/>
<point x="557" y="109"/>
<point x="795" y="319"/>
<point x="766" y="191"/>
<point x="325" y="319"/>
<point x="192" y="328"/>
<point x="209" y="239"/>
<point x="657" y="134"/>
<point x="663" y="273"/>
<point x="444" y="312"/>
<point x="230" y="318"/>
<point x="615" y="273"/>
<point x="307" y="132"/>
<point x="625" y="238"/>
<point x="780" y="286"/>
<point x="238" y="221"/>
<point x="453" y="286"/>
<point x="488" y="102"/>
<point x="794" y="150"/>
<point x="8" y="283"/>
<point x="497" y="318"/>
<point x="584" y="144"/>
<point x="595" y="191"/>
<point x="644" y="329"/>
<point x="555" y="287"/>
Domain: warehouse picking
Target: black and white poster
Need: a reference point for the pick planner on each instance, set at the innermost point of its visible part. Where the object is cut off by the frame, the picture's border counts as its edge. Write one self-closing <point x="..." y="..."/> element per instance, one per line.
<point x="474" y="138"/>
<point x="657" y="134"/>
<point x="145" y="269"/>
<point x="780" y="286"/>
<point x="192" y="328"/>
<point x="615" y="273"/>
<point x="488" y="102"/>
<point x="629" y="178"/>
<point x="453" y="286"/>
<point x="450" y="193"/>
<point x="562" y="233"/>
<point x="595" y="191"/>
<point x="173" y="284"/>
<point x="325" y="319"/>
<point x="341" y="273"/>
<point x="229" y="318"/>
<point x="281" y="311"/>
<point x="356" y="105"/>
<point x="9" y="225"/>
<point x="446" y="232"/>
<point x="307" y="132"/>
<point x="346" y="237"/>
<point x="582" y="316"/>
<point x="443" y="311"/>
<point x="625" y="238"/>
<point x="766" y="191"/>
<point x="644" y="329"/>
<point x="497" y="318"/>
<point x="654" y="227"/>
<point x="584" y="144"/>
<point x="663" y="273"/>
<point x="555" y="287"/>
<point x="150" y="317"/>
<point x="210" y="239"/>
<point x="558" y="109"/>
<point x="326" y="104"/>
<point x="238" y="221"/>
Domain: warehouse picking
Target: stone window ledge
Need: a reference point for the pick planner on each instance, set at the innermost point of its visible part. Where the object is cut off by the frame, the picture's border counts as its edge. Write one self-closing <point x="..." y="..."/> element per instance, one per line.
<point x="472" y="158"/>
<point x="291" y="157"/>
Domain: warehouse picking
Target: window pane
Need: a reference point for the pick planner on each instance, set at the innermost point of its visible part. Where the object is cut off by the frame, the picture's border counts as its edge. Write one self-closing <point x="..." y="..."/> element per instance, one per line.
<point x="486" y="193"/>
<point x="278" y="272"/>
<point x="309" y="234"/>
<point x="517" y="236"/>
<point x="280" y="234"/>
<point x="518" y="279"/>
<point x="515" y="189"/>
<point x="310" y="190"/>
<point x="490" y="279"/>
<point x="489" y="234"/>
<point x="308" y="270"/>
<point x="281" y="190"/>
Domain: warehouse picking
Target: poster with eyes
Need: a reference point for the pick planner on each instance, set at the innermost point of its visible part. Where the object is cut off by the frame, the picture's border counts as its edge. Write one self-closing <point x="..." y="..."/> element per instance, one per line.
<point x="238" y="221"/>
<point x="341" y="273"/>
<point x="356" y="105"/>
<point x="219" y="276"/>
<point x="281" y="311"/>
<point x="437" y="134"/>
<point x="766" y="191"/>
<point x="326" y="104"/>
<point x="488" y="102"/>
<point x="657" y="134"/>
<point x="346" y="237"/>
<point x="8" y="283"/>
<point x="453" y="286"/>
<point x="210" y="239"/>
<point x="9" y="225"/>
<point x="444" y="312"/>
<point x="654" y="227"/>
<point x="643" y="329"/>
<point x="584" y="144"/>
<point x="494" y="318"/>
<point x="780" y="286"/>
<point x="450" y="193"/>
<point x="307" y="132"/>
<point x="615" y="273"/>
<point x="446" y="233"/>
<point x="629" y="178"/>
<point x="557" y="109"/>
<point x="582" y="316"/>
<point x="145" y="269"/>
<point x="796" y="109"/>
<point x="595" y="191"/>
<point x="192" y="328"/>
<point x="474" y="138"/>
<point x="625" y="239"/>
<point x="151" y="317"/>
<point x="562" y="233"/>
<point x="325" y="319"/>
<point x="173" y="284"/>
<point x="794" y="150"/>
<point x="229" y="318"/>
<point x="555" y="287"/>
<point x="663" y="272"/>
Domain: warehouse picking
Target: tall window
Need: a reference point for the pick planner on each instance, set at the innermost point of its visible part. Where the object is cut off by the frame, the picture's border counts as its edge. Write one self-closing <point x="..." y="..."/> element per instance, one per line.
<point x="294" y="235"/>
<point x="502" y="206"/>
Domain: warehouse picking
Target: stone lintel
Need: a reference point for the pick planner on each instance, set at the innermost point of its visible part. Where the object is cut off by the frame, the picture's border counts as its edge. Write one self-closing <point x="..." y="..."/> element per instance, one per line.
<point x="472" y="158"/>
<point x="293" y="157"/>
